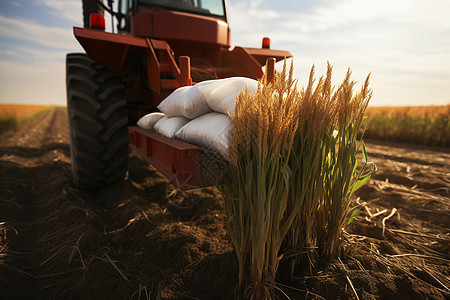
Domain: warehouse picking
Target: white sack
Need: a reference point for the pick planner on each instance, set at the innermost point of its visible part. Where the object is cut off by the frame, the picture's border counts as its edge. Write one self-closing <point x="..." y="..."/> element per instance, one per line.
<point x="169" y="126"/>
<point x="148" y="121"/>
<point x="220" y="94"/>
<point x="210" y="131"/>
<point x="186" y="102"/>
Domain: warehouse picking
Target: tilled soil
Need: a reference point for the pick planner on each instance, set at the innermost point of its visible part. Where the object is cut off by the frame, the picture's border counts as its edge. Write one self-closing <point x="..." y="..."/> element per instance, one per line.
<point x="144" y="239"/>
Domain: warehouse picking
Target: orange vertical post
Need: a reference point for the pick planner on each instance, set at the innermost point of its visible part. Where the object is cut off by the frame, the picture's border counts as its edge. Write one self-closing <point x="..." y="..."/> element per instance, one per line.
<point x="185" y="69"/>
<point x="270" y="69"/>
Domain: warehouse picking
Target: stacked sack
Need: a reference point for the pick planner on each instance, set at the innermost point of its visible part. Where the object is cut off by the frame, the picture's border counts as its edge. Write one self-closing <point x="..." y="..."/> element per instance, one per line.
<point x="199" y="114"/>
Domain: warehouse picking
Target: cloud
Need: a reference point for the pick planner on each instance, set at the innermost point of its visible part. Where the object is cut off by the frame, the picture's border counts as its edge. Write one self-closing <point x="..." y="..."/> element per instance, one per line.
<point x="18" y="4"/>
<point x="51" y="37"/>
<point x="68" y="9"/>
<point x="29" y="56"/>
<point x="406" y="42"/>
<point x="32" y="59"/>
<point x="341" y="18"/>
<point x="72" y="11"/>
<point x="8" y="53"/>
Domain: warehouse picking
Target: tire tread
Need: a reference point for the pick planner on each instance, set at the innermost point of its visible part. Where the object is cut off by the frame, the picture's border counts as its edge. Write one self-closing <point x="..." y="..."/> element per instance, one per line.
<point x="98" y="123"/>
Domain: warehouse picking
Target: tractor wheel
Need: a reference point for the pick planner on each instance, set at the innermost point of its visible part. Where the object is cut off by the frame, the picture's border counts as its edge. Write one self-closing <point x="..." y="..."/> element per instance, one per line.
<point x="98" y="123"/>
<point x="91" y="7"/>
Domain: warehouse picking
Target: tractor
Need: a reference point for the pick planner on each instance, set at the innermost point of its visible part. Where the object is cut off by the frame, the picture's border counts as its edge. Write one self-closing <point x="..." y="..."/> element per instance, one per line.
<point x="158" y="46"/>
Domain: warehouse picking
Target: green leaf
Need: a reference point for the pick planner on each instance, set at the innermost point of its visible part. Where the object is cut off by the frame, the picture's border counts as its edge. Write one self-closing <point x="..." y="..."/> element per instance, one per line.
<point x="362" y="179"/>
<point x="364" y="151"/>
<point x="352" y="217"/>
<point x="355" y="211"/>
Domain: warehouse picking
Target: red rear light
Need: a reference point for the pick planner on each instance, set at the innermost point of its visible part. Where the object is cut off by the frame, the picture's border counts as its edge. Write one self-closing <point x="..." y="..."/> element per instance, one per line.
<point x="97" y="21"/>
<point x="266" y="43"/>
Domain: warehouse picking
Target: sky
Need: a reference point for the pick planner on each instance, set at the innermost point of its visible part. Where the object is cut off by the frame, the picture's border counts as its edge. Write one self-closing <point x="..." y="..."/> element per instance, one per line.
<point x="404" y="44"/>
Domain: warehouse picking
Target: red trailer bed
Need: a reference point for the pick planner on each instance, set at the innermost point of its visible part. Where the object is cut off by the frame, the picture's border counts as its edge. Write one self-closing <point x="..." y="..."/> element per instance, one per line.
<point x="186" y="165"/>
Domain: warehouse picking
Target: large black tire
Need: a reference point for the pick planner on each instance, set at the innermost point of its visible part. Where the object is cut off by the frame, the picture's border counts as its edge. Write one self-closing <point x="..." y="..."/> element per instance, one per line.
<point x="91" y="7"/>
<point x="97" y="121"/>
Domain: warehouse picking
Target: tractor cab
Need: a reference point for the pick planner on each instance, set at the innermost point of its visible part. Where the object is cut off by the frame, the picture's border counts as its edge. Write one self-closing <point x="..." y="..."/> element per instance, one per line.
<point x="191" y="20"/>
<point x="193" y="28"/>
<point x="209" y="8"/>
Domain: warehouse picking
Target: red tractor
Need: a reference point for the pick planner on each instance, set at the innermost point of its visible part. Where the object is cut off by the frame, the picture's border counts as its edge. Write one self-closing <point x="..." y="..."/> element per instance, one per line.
<point x="160" y="46"/>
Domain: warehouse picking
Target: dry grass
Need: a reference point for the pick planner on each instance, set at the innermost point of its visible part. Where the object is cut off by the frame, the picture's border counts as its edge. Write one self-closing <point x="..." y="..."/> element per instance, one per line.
<point x="431" y="111"/>
<point x="12" y="116"/>
<point x="424" y="125"/>
<point x="20" y="111"/>
<point x="3" y="241"/>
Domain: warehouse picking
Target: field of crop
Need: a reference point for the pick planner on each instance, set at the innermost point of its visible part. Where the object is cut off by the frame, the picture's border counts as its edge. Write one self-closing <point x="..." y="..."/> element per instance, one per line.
<point x="145" y="239"/>
<point x="423" y="125"/>
<point x="12" y="116"/>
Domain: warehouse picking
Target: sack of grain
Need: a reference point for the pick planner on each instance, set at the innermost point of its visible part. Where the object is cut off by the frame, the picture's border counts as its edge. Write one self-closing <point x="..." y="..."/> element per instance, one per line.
<point x="210" y="131"/>
<point x="185" y="102"/>
<point x="207" y="104"/>
<point x="169" y="126"/>
<point x="220" y="94"/>
<point x="211" y="95"/>
<point x="149" y="120"/>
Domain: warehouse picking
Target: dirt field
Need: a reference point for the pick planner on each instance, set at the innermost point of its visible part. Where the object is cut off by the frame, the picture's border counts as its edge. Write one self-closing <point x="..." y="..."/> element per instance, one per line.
<point x="144" y="239"/>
